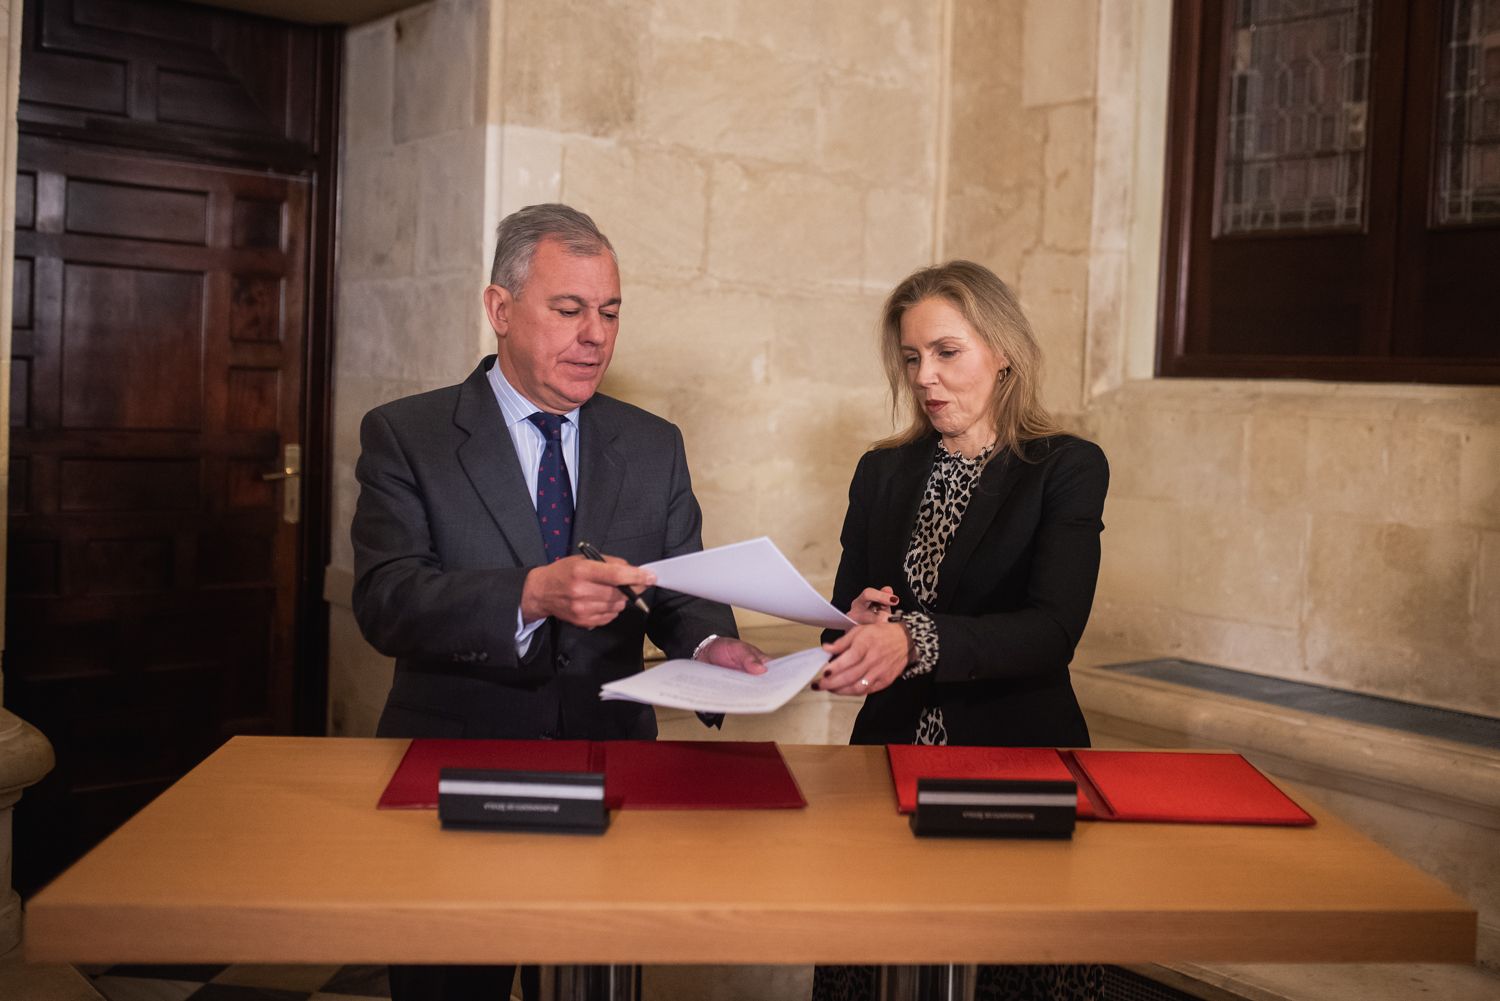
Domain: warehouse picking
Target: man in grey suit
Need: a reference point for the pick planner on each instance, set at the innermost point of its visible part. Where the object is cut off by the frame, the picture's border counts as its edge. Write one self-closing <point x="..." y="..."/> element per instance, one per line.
<point x="471" y="499"/>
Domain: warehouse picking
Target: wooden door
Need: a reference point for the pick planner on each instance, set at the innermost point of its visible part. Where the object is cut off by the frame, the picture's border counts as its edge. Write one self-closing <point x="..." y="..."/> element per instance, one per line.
<point x="159" y="394"/>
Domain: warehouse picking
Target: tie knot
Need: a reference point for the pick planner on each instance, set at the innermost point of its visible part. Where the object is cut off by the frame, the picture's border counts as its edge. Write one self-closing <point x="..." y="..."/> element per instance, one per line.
<point x="549" y="424"/>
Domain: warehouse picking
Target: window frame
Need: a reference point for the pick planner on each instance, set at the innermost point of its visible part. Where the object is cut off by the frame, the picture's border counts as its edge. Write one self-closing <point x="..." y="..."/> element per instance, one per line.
<point x="1401" y="149"/>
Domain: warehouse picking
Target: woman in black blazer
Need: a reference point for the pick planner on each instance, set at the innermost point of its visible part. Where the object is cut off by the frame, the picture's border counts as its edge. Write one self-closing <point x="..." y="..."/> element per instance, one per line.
<point x="971" y="550"/>
<point x="971" y="545"/>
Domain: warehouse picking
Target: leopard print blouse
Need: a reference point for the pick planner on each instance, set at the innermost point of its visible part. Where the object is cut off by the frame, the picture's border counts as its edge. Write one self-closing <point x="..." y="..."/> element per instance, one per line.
<point x="944" y="501"/>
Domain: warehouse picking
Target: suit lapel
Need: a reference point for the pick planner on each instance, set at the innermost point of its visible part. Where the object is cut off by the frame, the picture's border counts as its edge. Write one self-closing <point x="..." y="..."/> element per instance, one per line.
<point x="994" y="486"/>
<point x="600" y="477"/>
<point x="489" y="460"/>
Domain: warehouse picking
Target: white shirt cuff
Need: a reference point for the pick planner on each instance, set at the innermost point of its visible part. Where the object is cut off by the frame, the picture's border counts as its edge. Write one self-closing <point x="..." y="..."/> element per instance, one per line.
<point x="524" y="631"/>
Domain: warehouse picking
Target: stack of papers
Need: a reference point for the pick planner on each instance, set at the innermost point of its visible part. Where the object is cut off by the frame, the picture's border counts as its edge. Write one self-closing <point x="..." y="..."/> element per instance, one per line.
<point x="752" y="575"/>
<point x="708" y="688"/>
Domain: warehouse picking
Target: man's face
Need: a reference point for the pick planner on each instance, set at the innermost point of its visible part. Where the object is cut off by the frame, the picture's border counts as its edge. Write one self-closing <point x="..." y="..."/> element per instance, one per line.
<point x="555" y="340"/>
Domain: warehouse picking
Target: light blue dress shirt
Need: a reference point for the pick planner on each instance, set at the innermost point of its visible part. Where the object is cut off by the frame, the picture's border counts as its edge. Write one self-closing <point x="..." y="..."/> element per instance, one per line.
<point x="529" y="442"/>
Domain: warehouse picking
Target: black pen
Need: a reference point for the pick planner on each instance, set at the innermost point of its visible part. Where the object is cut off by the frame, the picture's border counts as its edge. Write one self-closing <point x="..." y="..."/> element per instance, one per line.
<point x="591" y="553"/>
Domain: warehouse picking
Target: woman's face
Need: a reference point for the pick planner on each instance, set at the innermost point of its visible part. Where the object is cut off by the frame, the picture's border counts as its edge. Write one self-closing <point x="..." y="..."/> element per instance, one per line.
<point x="950" y="369"/>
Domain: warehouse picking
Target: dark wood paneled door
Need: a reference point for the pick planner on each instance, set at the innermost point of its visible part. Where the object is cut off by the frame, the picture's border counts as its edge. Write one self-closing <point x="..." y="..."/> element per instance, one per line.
<point x="160" y="398"/>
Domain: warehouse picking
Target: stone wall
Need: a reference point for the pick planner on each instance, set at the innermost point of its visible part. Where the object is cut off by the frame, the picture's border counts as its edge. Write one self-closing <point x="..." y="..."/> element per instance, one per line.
<point x="1342" y="535"/>
<point x="1346" y="535"/>
<point x="1021" y="166"/>
<point x="414" y="202"/>
<point x="765" y="182"/>
<point x="766" y="170"/>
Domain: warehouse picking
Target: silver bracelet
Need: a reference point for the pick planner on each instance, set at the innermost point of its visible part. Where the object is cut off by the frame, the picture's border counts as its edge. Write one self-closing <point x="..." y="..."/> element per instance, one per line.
<point x="704" y="643"/>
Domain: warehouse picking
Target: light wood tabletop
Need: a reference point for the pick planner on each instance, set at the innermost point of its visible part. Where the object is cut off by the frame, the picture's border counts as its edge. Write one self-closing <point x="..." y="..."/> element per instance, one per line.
<point x="272" y="851"/>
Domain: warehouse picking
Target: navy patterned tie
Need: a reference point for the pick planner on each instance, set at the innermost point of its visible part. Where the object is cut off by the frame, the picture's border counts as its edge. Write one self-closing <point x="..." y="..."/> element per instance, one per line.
<point x="554" y="494"/>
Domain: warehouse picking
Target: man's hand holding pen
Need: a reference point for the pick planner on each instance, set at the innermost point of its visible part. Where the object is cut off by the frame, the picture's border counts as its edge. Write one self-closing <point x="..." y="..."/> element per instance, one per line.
<point x="589" y="552"/>
<point x="581" y="591"/>
<point x="591" y="589"/>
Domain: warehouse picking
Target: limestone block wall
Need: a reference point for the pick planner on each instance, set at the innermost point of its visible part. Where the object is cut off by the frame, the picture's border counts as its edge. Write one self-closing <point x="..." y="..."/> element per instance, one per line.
<point x="1343" y="535"/>
<point x="411" y="262"/>
<point x="767" y="171"/>
<point x="1020" y="166"/>
<point x="1346" y="535"/>
<point x="411" y="235"/>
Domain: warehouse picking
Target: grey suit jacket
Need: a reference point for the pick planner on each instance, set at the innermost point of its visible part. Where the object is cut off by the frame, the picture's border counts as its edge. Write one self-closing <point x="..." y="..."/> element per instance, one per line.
<point x="444" y="534"/>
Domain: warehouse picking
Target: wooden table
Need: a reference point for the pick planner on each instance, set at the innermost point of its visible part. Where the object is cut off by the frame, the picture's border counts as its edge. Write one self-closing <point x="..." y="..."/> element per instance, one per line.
<point x="272" y="851"/>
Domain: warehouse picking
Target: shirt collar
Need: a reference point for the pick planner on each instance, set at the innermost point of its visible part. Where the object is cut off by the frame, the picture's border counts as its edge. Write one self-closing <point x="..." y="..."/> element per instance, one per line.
<point x="515" y="407"/>
<point x="960" y="461"/>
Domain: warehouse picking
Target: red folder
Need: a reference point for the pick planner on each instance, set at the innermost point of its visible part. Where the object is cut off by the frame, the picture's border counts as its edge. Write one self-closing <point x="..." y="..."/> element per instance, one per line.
<point x="638" y="774"/>
<point x="1187" y="787"/>
<point x="415" y="784"/>
<point x="909" y="761"/>
<point x="696" y="775"/>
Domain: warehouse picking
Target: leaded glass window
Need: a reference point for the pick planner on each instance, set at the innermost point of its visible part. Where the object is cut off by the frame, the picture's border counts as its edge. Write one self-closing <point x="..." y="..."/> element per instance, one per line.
<point x="1295" y="140"/>
<point x="1468" y="174"/>
<point x="1333" y="191"/>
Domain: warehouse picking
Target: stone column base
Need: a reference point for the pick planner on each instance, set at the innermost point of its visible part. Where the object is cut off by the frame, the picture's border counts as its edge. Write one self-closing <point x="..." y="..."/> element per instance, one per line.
<point x="25" y="756"/>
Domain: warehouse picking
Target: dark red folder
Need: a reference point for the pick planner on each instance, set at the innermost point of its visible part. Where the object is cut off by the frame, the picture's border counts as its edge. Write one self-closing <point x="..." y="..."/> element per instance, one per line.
<point x="909" y="761"/>
<point x="1187" y="787"/>
<point x="415" y="784"/>
<point x="696" y="775"/>
<point x="638" y="774"/>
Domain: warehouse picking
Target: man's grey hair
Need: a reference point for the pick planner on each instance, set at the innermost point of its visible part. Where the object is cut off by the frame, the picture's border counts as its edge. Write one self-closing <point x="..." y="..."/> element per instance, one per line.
<point x="522" y="231"/>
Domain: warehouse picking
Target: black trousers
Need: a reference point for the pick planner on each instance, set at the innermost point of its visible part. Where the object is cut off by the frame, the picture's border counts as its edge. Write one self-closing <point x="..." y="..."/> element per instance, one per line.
<point x="462" y="983"/>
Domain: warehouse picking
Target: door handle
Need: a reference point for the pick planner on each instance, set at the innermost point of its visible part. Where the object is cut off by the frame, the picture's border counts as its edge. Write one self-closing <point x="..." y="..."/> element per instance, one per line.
<point x="291" y="491"/>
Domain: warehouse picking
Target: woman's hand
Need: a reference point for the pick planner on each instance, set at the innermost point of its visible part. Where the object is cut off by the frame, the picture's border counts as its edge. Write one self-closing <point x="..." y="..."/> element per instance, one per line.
<point x="867" y="658"/>
<point x="873" y="605"/>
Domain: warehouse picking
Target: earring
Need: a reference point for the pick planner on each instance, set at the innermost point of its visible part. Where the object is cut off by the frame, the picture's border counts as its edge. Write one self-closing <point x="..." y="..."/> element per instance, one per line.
<point x="1000" y="375"/>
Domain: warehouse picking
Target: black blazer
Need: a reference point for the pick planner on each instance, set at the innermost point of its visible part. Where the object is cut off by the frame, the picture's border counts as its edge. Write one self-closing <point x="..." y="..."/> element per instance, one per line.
<point x="1014" y="590"/>
<point x="444" y="534"/>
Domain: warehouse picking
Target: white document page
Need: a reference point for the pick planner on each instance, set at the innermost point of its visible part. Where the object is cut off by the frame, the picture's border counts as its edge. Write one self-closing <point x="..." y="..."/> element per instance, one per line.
<point x="752" y="575"/>
<point x="708" y="688"/>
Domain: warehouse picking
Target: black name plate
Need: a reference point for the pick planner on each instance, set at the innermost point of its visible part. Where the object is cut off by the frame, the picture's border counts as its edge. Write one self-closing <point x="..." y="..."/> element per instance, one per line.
<point x="482" y="799"/>
<point x="995" y="808"/>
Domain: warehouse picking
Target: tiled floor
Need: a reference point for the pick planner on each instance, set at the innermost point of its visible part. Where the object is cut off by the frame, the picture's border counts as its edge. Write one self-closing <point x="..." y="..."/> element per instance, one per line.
<point x="239" y="983"/>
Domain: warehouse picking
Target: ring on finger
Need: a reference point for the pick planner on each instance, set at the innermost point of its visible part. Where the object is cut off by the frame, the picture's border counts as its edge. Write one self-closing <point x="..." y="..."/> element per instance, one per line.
<point x="864" y="682"/>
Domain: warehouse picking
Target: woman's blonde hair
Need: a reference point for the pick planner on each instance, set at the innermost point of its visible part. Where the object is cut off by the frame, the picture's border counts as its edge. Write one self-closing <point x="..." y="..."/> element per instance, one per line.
<point x="991" y="308"/>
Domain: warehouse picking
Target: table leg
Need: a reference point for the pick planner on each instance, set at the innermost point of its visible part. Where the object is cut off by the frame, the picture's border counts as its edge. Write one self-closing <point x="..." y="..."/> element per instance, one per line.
<point x="591" y="983"/>
<point x="927" y="983"/>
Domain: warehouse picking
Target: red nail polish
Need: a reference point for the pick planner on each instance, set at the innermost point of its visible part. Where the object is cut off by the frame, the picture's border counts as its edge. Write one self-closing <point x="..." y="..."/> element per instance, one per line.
<point x="815" y="687"/>
<point x="827" y="673"/>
